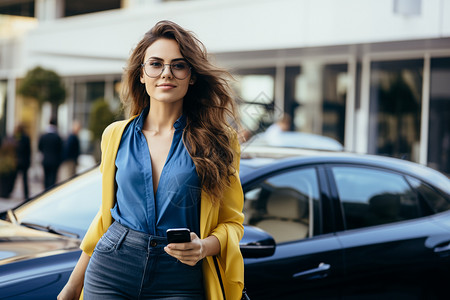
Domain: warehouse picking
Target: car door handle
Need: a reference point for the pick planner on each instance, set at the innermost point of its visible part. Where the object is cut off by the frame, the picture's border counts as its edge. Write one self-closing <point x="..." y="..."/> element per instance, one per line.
<point x="442" y="248"/>
<point x="320" y="272"/>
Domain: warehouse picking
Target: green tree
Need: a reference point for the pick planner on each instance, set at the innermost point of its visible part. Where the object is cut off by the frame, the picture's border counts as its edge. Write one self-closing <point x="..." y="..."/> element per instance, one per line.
<point x="100" y="117"/>
<point x="45" y="86"/>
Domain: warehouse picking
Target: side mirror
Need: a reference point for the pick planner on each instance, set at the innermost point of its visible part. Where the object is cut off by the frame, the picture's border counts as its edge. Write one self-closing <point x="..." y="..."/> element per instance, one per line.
<point x="256" y="243"/>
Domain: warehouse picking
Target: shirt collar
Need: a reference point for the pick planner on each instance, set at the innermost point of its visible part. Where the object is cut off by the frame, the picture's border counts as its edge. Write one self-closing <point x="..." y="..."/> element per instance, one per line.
<point x="141" y="118"/>
<point x="179" y="124"/>
<point x="52" y="129"/>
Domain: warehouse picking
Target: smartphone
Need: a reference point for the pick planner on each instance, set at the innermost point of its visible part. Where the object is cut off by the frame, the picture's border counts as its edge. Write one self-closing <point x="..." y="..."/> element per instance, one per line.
<point x="178" y="235"/>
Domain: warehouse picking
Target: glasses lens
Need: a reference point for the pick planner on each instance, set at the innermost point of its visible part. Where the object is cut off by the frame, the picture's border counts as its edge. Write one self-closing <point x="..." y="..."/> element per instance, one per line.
<point x="180" y="69"/>
<point x="153" y="68"/>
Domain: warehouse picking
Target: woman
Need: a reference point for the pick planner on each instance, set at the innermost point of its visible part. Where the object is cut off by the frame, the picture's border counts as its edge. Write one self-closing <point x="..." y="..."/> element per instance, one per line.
<point x="174" y="164"/>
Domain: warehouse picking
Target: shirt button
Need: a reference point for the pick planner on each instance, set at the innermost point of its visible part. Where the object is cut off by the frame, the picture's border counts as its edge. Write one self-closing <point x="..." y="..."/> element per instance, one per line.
<point x="153" y="243"/>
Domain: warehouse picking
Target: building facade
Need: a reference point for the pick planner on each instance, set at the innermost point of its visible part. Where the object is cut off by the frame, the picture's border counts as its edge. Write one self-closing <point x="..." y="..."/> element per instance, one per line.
<point x="373" y="74"/>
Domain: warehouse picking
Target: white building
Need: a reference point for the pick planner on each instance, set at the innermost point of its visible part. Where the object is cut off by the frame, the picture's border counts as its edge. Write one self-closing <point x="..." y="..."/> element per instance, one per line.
<point x="373" y="74"/>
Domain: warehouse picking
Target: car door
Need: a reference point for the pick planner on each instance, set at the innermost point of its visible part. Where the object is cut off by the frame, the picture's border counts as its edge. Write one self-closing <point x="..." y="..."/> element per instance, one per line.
<point x="307" y="262"/>
<point x="390" y="244"/>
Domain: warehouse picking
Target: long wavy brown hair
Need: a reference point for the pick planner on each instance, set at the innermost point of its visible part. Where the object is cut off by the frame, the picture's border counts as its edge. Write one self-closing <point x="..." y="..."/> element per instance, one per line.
<point x="208" y="105"/>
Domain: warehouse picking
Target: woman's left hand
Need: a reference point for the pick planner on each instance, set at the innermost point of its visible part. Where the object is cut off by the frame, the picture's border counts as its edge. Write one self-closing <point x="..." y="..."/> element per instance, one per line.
<point x="188" y="253"/>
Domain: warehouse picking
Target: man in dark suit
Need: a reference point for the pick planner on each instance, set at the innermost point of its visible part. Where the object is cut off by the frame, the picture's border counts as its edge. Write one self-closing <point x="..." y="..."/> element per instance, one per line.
<point x="51" y="146"/>
<point x="72" y="149"/>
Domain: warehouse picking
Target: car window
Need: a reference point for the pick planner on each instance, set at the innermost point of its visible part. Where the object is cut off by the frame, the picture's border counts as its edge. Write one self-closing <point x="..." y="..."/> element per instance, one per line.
<point x="434" y="201"/>
<point x="283" y="205"/>
<point x="373" y="197"/>
<point x="70" y="205"/>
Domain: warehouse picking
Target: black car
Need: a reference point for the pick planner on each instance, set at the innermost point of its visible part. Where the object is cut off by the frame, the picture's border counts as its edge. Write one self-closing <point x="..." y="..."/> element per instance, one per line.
<point x="349" y="227"/>
<point x="319" y="225"/>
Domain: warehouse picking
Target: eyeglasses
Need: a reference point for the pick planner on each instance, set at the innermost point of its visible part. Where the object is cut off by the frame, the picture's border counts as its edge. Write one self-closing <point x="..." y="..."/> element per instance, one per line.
<point x="179" y="69"/>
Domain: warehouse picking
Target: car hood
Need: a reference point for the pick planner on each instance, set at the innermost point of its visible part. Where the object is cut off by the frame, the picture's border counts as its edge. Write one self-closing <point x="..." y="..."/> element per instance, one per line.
<point x="18" y="243"/>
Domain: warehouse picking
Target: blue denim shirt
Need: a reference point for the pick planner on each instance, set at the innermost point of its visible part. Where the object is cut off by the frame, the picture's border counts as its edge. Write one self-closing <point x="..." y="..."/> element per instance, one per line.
<point x="177" y="200"/>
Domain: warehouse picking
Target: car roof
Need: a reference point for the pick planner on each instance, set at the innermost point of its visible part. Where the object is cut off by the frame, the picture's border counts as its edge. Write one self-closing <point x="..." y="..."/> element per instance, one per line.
<point x="295" y="139"/>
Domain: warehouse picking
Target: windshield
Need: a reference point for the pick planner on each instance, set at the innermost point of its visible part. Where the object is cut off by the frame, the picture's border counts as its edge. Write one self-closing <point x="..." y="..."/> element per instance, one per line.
<point x="70" y="206"/>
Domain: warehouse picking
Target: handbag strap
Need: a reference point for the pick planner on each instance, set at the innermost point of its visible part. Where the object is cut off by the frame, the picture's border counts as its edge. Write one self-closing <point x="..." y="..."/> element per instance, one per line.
<point x="216" y="264"/>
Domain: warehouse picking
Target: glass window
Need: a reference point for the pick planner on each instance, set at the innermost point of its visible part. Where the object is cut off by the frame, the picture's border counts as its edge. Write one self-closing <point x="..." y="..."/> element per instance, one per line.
<point x="85" y="94"/>
<point x="434" y="201"/>
<point x="284" y="205"/>
<point x="73" y="8"/>
<point x="115" y="103"/>
<point x="334" y="87"/>
<point x="439" y="124"/>
<point x="18" y="8"/>
<point x="72" y="205"/>
<point x="395" y="108"/>
<point x="372" y="197"/>
<point x="291" y="104"/>
<point x="256" y="90"/>
<point x="317" y="98"/>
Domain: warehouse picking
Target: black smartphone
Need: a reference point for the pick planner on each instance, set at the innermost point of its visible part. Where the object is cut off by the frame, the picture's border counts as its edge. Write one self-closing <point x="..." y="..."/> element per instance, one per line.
<point x="178" y="235"/>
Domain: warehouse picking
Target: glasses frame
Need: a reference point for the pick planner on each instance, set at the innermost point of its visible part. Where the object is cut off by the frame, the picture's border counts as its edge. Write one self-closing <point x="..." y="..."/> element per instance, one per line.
<point x="170" y="68"/>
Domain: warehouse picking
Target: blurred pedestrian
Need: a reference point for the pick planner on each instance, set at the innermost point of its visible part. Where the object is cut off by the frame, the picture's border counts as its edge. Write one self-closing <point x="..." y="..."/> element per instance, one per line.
<point x="281" y="125"/>
<point x="244" y="135"/>
<point x="173" y="164"/>
<point x="50" y="145"/>
<point x="72" y="150"/>
<point x="275" y="133"/>
<point x="23" y="152"/>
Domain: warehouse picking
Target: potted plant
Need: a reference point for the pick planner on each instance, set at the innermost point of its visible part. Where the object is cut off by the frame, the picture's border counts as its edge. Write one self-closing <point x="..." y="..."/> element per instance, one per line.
<point x="8" y="168"/>
<point x="100" y="117"/>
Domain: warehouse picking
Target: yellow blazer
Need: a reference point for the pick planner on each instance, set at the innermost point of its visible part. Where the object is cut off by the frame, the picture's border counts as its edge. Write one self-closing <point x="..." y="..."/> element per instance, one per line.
<point x="224" y="222"/>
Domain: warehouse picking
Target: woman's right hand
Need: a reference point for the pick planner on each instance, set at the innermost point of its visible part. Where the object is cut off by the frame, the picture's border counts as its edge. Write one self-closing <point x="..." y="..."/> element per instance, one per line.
<point x="69" y="292"/>
<point x="73" y="288"/>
